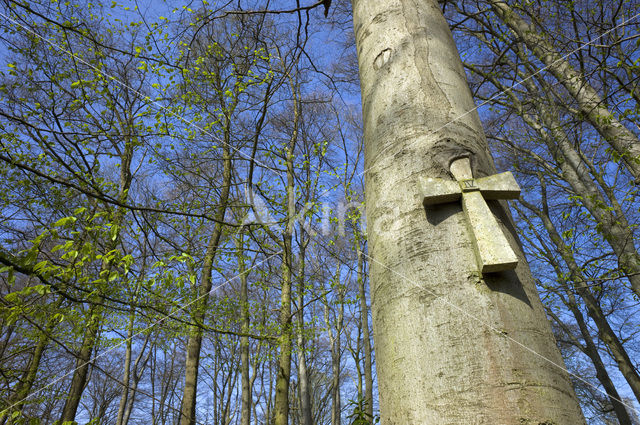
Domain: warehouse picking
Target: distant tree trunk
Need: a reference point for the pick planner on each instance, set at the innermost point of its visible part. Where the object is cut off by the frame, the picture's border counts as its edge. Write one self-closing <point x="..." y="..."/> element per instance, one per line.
<point x="366" y="339"/>
<point x="336" y="357"/>
<point x="26" y="382"/>
<point x="126" y="378"/>
<point x="601" y="371"/>
<point x="281" y="403"/>
<point x="127" y="370"/>
<point x="194" y="343"/>
<point x="245" y="412"/>
<point x="450" y="342"/>
<point x="336" y="402"/>
<point x="83" y="359"/>
<point x="138" y="368"/>
<point x="591" y="351"/>
<point x="623" y="141"/>
<point x="94" y="316"/>
<point x="335" y="339"/>
<point x="303" y="376"/>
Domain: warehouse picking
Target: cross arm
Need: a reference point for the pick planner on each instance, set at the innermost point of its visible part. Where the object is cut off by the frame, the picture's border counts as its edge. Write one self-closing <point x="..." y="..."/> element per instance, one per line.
<point x="439" y="191"/>
<point x="499" y="186"/>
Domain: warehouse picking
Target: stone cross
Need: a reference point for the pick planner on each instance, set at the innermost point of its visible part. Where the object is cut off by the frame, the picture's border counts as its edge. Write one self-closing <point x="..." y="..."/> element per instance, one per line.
<point x="492" y="249"/>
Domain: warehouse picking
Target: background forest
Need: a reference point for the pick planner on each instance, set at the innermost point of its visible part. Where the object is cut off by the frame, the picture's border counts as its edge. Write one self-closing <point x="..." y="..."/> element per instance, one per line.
<point x="181" y="203"/>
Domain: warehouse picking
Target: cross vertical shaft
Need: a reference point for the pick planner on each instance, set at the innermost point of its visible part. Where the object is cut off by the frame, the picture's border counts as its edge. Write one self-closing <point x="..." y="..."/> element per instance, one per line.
<point x="492" y="249"/>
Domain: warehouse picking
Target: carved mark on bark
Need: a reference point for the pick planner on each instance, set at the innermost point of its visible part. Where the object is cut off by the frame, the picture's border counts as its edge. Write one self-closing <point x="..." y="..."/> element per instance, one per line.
<point x="382" y="58"/>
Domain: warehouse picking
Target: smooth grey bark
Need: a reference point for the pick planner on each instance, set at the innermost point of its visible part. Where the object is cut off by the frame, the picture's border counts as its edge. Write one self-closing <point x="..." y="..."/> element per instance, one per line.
<point x="623" y="141"/>
<point x="450" y="343"/>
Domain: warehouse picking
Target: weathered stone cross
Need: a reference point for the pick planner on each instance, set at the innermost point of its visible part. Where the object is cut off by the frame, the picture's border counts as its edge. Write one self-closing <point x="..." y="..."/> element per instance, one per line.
<point x="492" y="249"/>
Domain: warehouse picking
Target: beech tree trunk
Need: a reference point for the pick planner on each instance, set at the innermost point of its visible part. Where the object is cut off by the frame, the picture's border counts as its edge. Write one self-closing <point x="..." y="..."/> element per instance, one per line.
<point x="452" y="346"/>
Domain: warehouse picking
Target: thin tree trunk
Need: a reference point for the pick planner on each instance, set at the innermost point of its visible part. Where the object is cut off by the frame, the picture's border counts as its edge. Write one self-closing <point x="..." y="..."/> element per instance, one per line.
<point x="137" y="374"/>
<point x="92" y="328"/>
<point x="281" y="402"/>
<point x="623" y="141"/>
<point x="26" y="383"/>
<point x="83" y="359"/>
<point x="449" y="340"/>
<point x="366" y="339"/>
<point x="194" y="342"/>
<point x="127" y="371"/>
<point x="591" y="351"/>
<point x="336" y="407"/>
<point x="601" y="372"/>
<point x="335" y="344"/>
<point x="126" y="378"/>
<point x="303" y="376"/>
<point x="245" y="413"/>
<point x="608" y="336"/>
